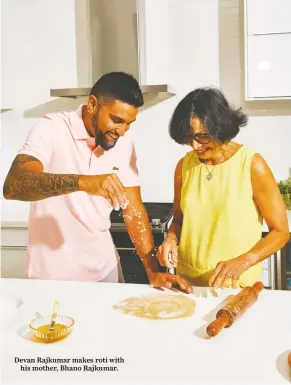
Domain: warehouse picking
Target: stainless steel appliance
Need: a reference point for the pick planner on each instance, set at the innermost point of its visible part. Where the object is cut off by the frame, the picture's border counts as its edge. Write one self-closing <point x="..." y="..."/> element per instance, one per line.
<point x="277" y="269"/>
<point x="160" y="217"/>
<point x="115" y="41"/>
<point x="283" y="268"/>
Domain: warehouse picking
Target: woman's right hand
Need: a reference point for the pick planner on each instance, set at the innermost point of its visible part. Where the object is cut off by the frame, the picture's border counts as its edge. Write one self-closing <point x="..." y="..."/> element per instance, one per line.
<point x="167" y="252"/>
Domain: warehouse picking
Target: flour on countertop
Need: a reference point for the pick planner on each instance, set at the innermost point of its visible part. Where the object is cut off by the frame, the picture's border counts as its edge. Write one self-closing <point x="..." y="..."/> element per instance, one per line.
<point x="157" y="307"/>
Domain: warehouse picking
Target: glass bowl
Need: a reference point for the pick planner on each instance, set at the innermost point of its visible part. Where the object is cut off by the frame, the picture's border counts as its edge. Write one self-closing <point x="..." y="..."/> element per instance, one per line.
<point x="40" y="328"/>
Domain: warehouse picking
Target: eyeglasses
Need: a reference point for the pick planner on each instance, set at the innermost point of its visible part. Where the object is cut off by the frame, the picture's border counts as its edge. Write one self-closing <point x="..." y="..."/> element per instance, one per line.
<point x="200" y="138"/>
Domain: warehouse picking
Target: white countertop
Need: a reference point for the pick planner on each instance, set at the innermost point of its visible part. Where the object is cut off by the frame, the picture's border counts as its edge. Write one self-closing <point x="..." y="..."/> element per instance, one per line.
<point x="253" y="351"/>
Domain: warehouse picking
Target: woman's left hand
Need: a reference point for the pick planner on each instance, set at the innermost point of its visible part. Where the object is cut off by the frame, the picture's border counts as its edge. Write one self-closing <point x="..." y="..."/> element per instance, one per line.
<point x="227" y="273"/>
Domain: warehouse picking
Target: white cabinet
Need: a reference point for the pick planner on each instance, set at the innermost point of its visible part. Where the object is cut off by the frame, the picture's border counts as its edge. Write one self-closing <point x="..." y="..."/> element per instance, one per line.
<point x="269" y="66"/>
<point x="13" y="250"/>
<point x="267" y="38"/>
<point x="268" y="16"/>
<point x="13" y="262"/>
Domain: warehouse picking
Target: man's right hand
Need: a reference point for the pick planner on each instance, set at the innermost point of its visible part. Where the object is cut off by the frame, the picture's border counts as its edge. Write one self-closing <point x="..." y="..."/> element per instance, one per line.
<point x="168" y="280"/>
<point x="108" y="186"/>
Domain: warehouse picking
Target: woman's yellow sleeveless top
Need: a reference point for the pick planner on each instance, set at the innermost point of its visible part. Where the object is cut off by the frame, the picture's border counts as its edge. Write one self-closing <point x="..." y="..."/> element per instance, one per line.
<point x="221" y="220"/>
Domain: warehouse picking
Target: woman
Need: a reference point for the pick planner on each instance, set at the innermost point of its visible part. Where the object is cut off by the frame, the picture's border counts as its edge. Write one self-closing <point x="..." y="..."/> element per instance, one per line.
<point x="223" y="191"/>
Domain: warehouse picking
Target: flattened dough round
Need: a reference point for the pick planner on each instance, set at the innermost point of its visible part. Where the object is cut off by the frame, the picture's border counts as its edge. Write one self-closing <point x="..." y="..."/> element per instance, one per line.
<point x="157" y="307"/>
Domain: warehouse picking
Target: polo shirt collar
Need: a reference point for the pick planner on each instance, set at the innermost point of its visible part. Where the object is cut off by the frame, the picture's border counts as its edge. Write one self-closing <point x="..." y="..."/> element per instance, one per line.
<point x="77" y="126"/>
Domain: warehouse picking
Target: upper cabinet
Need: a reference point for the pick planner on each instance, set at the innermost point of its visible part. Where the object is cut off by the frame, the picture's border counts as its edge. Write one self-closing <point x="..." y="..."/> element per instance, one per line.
<point x="268" y="16"/>
<point x="267" y="39"/>
<point x="269" y="66"/>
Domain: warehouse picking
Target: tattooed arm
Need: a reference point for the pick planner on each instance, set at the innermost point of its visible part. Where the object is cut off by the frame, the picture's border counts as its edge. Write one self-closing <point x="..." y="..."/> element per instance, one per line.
<point x="26" y="181"/>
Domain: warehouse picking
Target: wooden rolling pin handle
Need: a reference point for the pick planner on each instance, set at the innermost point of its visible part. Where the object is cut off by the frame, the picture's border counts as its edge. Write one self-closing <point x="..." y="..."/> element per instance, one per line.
<point x="216" y="326"/>
<point x="258" y="286"/>
<point x="289" y="359"/>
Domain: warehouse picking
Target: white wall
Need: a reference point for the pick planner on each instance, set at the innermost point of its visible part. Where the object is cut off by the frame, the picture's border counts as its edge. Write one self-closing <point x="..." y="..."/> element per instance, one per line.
<point x="269" y="128"/>
<point x="189" y="48"/>
<point x="183" y="49"/>
<point x="42" y="43"/>
<point x="271" y="137"/>
<point x="38" y="50"/>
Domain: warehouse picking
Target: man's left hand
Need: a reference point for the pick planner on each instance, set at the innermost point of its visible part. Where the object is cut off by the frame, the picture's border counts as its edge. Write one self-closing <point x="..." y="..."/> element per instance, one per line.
<point x="227" y="273"/>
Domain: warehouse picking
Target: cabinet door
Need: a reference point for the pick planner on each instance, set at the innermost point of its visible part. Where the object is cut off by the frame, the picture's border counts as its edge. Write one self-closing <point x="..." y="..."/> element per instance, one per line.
<point x="13" y="262"/>
<point x="268" y="66"/>
<point x="268" y="16"/>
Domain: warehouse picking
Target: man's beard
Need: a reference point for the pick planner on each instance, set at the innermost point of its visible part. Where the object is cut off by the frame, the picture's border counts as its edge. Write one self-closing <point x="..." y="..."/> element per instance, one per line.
<point x="100" y="139"/>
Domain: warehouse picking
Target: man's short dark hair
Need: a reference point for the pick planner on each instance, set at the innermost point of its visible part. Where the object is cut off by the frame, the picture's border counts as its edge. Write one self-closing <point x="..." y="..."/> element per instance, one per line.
<point x="211" y="107"/>
<point x="118" y="86"/>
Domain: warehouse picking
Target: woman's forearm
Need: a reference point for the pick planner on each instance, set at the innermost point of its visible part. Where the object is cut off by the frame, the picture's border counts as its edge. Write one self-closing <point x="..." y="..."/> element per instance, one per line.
<point x="267" y="246"/>
<point x="175" y="230"/>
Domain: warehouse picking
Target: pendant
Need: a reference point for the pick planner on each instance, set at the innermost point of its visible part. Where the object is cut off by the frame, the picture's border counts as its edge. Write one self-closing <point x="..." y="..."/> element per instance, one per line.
<point x="209" y="176"/>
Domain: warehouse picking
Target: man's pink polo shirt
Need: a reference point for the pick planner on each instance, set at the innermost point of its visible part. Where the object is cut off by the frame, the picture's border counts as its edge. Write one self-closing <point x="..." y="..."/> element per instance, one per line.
<point x="69" y="236"/>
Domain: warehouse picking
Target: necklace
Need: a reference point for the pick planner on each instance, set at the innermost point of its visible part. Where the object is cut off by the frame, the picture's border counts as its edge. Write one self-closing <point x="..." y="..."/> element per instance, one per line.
<point x="209" y="176"/>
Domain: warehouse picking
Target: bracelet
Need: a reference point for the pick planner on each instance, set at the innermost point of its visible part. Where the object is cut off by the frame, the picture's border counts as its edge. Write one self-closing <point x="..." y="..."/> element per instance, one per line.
<point x="173" y="236"/>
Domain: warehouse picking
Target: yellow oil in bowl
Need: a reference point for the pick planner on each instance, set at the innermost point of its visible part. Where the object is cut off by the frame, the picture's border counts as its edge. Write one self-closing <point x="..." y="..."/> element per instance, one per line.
<point x="40" y="328"/>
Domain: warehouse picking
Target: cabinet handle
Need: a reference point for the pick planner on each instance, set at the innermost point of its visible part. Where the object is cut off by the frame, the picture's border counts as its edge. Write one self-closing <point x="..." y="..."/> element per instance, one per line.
<point x="6" y="247"/>
<point x="269" y="33"/>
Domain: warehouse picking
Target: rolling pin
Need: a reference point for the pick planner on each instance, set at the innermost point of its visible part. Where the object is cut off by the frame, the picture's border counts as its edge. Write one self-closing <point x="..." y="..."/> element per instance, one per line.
<point x="289" y="360"/>
<point x="235" y="308"/>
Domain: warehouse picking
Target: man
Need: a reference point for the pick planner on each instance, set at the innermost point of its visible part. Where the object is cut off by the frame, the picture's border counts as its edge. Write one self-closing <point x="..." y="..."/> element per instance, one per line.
<point x="74" y="168"/>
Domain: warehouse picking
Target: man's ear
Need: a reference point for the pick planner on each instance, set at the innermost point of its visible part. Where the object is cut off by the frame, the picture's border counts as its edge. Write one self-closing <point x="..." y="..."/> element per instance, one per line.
<point x="92" y="104"/>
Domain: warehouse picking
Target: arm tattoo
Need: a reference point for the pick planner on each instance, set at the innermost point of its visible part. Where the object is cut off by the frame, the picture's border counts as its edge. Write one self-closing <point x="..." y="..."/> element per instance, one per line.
<point x="29" y="186"/>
